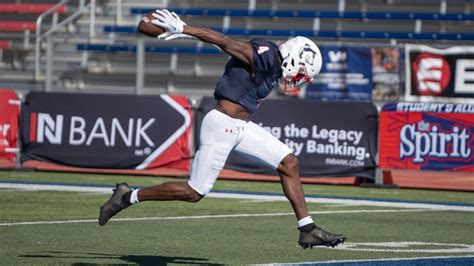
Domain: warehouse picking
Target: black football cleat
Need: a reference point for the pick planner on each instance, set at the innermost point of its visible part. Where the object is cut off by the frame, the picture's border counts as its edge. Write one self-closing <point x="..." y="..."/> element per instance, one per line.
<point x="115" y="204"/>
<point x="319" y="237"/>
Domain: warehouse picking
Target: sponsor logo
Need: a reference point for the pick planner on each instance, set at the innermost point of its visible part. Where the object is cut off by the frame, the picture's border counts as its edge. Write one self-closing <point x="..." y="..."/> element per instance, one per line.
<point x="338" y="61"/>
<point x="432" y="74"/>
<point x="464" y="80"/>
<point x="47" y="128"/>
<point x="424" y="140"/>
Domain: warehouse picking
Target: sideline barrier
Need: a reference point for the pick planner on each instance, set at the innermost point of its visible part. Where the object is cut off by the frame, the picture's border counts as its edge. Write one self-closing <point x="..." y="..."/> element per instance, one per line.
<point x="10" y="108"/>
<point x="150" y="134"/>
<point x="422" y="143"/>
<point x="342" y="144"/>
<point x="106" y="131"/>
<point x="428" y="137"/>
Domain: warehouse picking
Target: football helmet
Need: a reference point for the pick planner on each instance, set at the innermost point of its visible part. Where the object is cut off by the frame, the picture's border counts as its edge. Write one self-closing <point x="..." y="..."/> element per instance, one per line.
<point x="302" y="61"/>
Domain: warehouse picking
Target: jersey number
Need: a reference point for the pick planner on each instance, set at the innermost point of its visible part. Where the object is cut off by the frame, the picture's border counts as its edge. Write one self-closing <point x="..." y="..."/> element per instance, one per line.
<point x="262" y="49"/>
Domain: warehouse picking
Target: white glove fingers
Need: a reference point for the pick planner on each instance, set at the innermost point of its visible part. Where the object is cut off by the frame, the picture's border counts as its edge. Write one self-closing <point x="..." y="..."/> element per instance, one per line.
<point x="169" y="20"/>
<point x="167" y="12"/>
<point x="160" y="24"/>
<point x="161" y="15"/>
<point x="175" y="16"/>
<point x="158" y="16"/>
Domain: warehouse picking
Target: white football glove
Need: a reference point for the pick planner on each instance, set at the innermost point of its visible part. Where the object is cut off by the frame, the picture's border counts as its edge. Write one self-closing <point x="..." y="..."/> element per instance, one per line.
<point x="168" y="21"/>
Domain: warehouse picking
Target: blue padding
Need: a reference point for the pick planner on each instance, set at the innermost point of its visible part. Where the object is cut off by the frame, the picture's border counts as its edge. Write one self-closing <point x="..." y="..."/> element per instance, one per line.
<point x="152" y="49"/>
<point x="123" y="29"/>
<point x="312" y="14"/>
<point x="327" y="34"/>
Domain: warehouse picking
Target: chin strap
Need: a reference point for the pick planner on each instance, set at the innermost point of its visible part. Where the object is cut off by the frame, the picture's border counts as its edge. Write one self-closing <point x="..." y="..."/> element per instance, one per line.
<point x="292" y="92"/>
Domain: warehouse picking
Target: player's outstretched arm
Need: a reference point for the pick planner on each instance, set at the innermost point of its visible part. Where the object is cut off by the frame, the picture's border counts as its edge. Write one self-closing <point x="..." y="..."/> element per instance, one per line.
<point x="173" y="24"/>
<point x="235" y="47"/>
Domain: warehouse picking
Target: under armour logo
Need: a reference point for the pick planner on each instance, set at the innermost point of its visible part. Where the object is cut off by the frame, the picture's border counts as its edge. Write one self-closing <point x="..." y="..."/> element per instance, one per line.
<point x="228" y="130"/>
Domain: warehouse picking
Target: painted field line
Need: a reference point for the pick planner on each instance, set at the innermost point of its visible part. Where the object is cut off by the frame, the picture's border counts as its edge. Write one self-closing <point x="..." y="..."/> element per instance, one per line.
<point x="354" y="202"/>
<point x="402" y="261"/>
<point x="256" y="196"/>
<point x="202" y="217"/>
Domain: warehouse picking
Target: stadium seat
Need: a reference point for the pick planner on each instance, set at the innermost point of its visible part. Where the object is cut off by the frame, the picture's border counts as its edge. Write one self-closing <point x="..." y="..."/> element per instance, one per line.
<point x="151" y="49"/>
<point x="15" y="25"/>
<point x="332" y="23"/>
<point x="325" y="34"/>
<point x="314" y="14"/>
<point x="29" y="8"/>
<point x="5" y="44"/>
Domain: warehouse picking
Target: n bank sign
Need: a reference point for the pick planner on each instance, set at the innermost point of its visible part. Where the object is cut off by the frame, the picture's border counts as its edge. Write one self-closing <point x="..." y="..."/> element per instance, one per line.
<point x="99" y="131"/>
<point x="104" y="131"/>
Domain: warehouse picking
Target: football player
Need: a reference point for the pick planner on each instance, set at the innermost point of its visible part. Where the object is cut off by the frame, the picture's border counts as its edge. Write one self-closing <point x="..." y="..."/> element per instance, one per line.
<point x="253" y="70"/>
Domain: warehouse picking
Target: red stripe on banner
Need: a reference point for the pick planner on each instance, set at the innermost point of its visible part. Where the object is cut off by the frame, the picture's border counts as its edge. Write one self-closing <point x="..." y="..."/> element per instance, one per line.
<point x="33" y="124"/>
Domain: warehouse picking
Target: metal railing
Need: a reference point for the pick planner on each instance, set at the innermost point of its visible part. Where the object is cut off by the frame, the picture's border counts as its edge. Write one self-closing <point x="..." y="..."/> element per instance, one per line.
<point x="56" y="25"/>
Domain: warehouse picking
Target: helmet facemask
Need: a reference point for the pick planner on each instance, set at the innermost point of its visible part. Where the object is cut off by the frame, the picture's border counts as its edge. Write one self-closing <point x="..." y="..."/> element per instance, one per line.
<point x="294" y="83"/>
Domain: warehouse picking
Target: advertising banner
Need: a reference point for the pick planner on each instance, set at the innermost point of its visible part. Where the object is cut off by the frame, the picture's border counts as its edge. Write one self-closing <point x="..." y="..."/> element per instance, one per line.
<point x="434" y="73"/>
<point x="346" y="74"/>
<point x="329" y="139"/>
<point x="427" y="136"/>
<point x="9" y="111"/>
<point x="386" y="73"/>
<point x="106" y="131"/>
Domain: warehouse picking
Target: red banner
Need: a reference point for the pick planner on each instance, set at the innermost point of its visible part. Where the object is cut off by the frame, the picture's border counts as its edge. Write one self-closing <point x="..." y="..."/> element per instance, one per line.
<point x="427" y="136"/>
<point x="9" y="111"/>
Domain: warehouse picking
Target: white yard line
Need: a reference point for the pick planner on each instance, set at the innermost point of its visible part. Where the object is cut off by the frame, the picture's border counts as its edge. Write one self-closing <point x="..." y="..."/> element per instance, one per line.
<point x="202" y="217"/>
<point x="355" y="202"/>
<point x="256" y="196"/>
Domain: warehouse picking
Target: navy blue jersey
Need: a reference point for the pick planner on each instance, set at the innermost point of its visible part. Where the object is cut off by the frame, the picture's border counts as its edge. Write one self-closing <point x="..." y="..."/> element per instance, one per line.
<point x="239" y="86"/>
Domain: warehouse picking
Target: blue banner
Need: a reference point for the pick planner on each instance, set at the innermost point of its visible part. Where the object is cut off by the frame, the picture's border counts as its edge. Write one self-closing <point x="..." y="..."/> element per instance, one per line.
<point x="346" y="74"/>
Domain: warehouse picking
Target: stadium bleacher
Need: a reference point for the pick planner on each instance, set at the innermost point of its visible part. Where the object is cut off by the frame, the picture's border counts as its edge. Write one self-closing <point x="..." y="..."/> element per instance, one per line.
<point x="18" y="27"/>
<point x="439" y="22"/>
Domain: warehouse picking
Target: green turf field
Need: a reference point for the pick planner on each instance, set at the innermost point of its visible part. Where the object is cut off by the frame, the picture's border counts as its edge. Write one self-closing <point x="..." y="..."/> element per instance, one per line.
<point x="58" y="227"/>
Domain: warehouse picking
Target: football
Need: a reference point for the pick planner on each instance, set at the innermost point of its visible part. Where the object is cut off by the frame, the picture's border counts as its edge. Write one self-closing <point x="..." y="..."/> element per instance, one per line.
<point x="147" y="28"/>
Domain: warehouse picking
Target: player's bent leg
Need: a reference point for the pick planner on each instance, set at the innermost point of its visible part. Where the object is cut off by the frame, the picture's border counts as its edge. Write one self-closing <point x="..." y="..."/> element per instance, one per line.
<point x="289" y="177"/>
<point x="115" y="204"/>
<point x="289" y="166"/>
<point x="310" y="234"/>
<point x="120" y="198"/>
<point x="169" y="191"/>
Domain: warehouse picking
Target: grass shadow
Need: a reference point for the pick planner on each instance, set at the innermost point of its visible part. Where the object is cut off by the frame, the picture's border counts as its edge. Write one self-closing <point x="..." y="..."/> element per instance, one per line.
<point x="89" y="258"/>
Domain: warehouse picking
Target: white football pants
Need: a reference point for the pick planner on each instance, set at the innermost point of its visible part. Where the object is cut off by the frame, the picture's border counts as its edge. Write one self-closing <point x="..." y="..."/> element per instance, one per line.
<point x="220" y="134"/>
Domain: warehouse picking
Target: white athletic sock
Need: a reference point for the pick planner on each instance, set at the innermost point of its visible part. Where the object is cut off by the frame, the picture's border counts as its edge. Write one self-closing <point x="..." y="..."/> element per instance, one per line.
<point x="134" y="197"/>
<point x="305" y="221"/>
